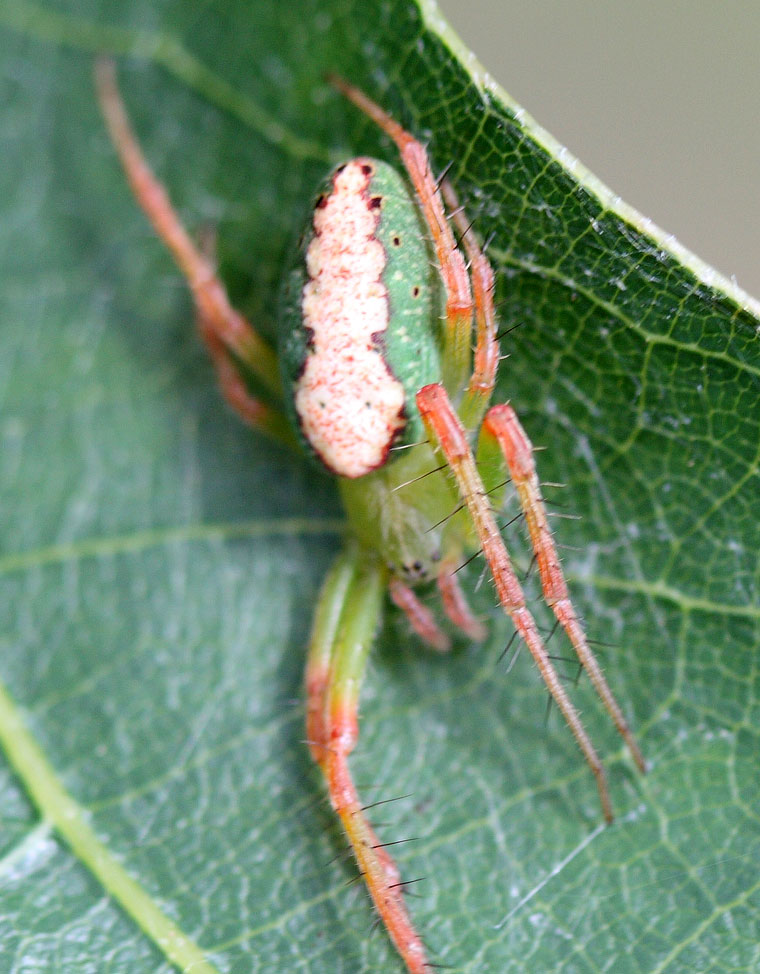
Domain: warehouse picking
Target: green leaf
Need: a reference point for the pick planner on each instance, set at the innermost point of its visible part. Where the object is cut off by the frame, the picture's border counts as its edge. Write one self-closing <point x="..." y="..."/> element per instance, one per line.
<point x="160" y="562"/>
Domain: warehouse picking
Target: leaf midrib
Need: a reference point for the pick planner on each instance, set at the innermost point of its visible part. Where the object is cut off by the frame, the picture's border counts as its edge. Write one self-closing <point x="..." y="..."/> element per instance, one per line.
<point x="70" y="820"/>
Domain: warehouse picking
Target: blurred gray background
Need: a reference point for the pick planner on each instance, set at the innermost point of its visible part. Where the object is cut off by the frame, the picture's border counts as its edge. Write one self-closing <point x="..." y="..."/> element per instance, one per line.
<point x="658" y="98"/>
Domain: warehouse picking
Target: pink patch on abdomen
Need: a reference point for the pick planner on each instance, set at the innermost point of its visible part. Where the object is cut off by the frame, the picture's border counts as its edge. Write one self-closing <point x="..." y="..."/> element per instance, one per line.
<point x="349" y="404"/>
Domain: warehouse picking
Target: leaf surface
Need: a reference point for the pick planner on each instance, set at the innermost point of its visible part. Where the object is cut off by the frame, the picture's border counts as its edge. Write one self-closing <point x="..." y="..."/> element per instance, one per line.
<point x="160" y="563"/>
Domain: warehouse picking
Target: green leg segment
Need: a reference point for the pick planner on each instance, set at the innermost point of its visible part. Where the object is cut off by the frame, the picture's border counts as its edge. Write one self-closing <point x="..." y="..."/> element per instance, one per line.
<point x="347" y="617"/>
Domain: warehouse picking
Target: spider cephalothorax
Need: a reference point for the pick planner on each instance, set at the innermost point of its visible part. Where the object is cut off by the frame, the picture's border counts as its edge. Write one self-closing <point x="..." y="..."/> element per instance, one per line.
<point x="381" y="386"/>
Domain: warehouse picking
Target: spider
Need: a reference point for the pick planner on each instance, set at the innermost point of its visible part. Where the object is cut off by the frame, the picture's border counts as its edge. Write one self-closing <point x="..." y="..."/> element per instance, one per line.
<point x="380" y="384"/>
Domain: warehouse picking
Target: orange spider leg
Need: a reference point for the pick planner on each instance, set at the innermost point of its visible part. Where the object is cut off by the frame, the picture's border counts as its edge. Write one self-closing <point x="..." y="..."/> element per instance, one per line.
<point x="458" y="314"/>
<point x="223" y="329"/>
<point x="455" y="604"/>
<point x="480" y="387"/>
<point x="323" y="635"/>
<point x="420" y="618"/>
<point x="445" y="430"/>
<point x="348" y="614"/>
<point x="501" y="422"/>
<point x="253" y="411"/>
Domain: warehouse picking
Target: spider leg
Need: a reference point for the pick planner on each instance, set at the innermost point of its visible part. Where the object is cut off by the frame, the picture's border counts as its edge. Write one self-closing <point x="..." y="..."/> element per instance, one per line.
<point x="501" y="423"/>
<point x="253" y="411"/>
<point x="480" y="386"/>
<point x="445" y="430"/>
<point x="224" y="330"/>
<point x="324" y="632"/>
<point x="455" y="604"/>
<point x="458" y="313"/>
<point x="420" y="618"/>
<point x="347" y="617"/>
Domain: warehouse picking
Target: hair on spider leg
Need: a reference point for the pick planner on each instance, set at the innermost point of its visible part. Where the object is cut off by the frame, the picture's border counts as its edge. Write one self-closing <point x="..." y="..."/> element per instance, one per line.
<point x="603" y="645"/>
<point x="566" y="678"/>
<point x="515" y="657"/>
<point x="562" y="659"/>
<point x="560" y="505"/>
<point x="460" y="234"/>
<point x="402" y="884"/>
<point x="342" y="856"/>
<point x="547" y="712"/>
<point x="408" y="446"/>
<point x="384" y="845"/>
<point x="444" y="173"/>
<point x="376" y="923"/>
<point x="565" y="516"/>
<point x="353" y="880"/>
<point x="467" y="561"/>
<point x="486" y="244"/>
<point x="552" y="631"/>
<point x="492" y="490"/>
<point x="479" y="551"/>
<point x="318" y="802"/>
<point x="507" y="331"/>
<point x="422" y="476"/>
<point x="484" y="573"/>
<point x="513" y="520"/>
<point x="507" y="648"/>
<point x="448" y="517"/>
<point x="531" y="565"/>
<point x="386" y="801"/>
<point x="578" y="675"/>
<point x="381" y="825"/>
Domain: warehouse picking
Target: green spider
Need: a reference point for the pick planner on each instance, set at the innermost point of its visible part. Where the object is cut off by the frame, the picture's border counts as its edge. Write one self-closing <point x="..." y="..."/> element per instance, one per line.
<point x="387" y="394"/>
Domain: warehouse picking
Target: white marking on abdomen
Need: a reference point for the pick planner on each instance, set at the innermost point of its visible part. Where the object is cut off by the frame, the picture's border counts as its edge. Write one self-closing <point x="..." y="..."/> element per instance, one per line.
<point x="349" y="404"/>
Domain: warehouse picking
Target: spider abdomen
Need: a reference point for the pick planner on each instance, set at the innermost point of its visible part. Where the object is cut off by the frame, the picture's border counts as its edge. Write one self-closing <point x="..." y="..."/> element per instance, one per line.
<point x="359" y="337"/>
